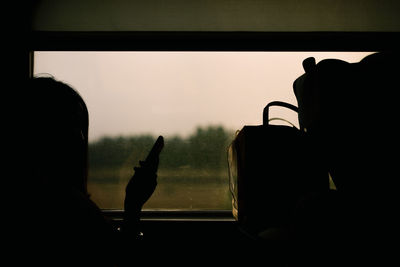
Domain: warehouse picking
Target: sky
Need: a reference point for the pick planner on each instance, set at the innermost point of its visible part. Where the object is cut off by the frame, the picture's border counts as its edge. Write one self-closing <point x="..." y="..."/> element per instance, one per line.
<point x="172" y="93"/>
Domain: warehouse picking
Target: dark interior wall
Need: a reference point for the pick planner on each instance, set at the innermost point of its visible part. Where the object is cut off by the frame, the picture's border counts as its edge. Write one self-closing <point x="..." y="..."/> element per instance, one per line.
<point x="221" y="15"/>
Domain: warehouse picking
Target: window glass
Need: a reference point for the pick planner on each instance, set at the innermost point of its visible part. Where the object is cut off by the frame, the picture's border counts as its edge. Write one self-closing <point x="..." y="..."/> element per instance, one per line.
<point x="196" y="100"/>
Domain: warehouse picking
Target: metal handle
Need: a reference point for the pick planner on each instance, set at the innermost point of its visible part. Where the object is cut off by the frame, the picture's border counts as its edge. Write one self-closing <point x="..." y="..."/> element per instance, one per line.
<point x="276" y="103"/>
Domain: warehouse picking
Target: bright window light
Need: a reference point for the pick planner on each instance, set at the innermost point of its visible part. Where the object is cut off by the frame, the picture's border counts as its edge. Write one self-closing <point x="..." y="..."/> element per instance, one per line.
<point x="196" y="100"/>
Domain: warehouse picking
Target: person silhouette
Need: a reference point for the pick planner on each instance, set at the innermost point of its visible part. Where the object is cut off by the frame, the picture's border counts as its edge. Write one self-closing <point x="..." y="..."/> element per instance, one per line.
<point x="60" y="213"/>
<point x="350" y="113"/>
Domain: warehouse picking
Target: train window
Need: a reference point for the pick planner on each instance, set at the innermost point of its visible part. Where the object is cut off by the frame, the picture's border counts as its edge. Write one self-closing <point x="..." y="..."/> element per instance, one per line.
<point x="196" y="100"/>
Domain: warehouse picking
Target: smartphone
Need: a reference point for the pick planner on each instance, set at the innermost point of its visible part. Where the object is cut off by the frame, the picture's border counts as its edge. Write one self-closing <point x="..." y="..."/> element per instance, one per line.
<point x="156" y="149"/>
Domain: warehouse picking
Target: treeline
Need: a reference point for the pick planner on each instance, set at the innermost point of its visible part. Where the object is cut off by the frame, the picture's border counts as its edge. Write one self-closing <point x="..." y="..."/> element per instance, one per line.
<point x="205" y="148"/>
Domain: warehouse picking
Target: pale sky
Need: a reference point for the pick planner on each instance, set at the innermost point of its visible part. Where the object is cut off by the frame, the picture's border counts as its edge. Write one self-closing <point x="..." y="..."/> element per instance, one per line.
<point x="168" y="93"/>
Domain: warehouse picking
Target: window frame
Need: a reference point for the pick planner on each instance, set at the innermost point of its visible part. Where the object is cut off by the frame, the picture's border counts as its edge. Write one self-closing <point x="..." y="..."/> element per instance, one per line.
<point x="213" y="41"/>
<point x="206" y="41"/>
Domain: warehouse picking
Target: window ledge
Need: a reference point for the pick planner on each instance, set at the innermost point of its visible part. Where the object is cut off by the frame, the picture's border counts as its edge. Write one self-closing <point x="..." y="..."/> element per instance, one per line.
<point x="176" y="215"/>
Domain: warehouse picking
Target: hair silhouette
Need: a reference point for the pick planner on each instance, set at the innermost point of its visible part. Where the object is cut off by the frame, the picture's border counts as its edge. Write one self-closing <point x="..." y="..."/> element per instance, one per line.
<point x="60" y="217"/>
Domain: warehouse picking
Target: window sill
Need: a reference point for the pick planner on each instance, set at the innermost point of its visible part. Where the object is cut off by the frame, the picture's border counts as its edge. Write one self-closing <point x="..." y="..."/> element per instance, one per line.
<point x="176" y="215"/>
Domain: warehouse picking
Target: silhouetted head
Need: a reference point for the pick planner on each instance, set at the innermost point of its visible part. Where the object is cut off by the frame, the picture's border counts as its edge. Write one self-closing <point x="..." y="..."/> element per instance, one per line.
<point x="57" y="133"/>
<point x="350" y="110"/>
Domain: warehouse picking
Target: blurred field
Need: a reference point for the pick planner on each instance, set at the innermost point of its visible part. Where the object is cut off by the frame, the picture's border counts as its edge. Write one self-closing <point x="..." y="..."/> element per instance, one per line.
<point x="178" y="189"/>
<point x="192" y="173"/>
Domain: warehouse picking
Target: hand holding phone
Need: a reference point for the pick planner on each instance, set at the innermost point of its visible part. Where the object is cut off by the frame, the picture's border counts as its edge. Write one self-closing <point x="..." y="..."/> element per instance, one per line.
<point x="155" y="151"/>
<point x="151" y="161"/>
<point x="144" y="181"/>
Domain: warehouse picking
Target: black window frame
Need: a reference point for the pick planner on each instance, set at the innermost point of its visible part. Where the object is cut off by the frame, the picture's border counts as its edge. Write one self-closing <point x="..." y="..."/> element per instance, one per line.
<point x="207" y="41"/>
<point x="213" y="41"/>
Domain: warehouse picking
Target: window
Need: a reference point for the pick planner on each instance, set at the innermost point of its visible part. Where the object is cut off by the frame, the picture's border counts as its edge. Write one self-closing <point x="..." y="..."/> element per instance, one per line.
<point x="196" y="100"/>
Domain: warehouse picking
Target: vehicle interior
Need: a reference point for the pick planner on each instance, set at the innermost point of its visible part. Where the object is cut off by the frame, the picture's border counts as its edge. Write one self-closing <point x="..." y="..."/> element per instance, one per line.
<point x="187" y="28"/>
